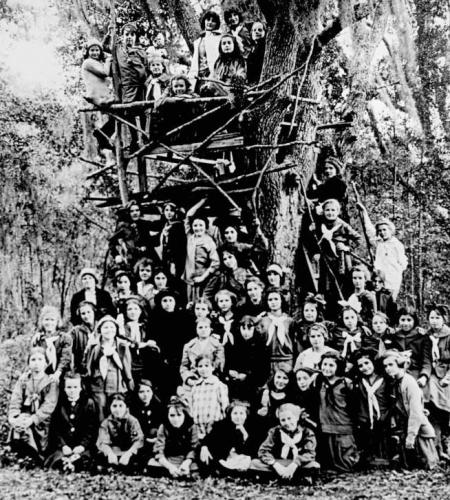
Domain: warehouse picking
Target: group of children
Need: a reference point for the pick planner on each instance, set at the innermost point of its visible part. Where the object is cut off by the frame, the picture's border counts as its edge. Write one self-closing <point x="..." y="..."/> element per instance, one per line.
<point x="221" y="60"/>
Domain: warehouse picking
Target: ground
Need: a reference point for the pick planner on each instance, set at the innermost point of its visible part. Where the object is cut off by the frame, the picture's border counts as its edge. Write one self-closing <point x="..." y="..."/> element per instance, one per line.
<point x="36" y="484"/>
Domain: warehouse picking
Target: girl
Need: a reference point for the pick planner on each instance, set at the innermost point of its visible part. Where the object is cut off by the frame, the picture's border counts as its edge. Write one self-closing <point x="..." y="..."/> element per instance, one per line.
<point x="203" y="344"/>
<point x="410" y="338"/>
<point x="289" y="448"/>
<point x="235" y="26"/>
<point x="231" y="276"/>
<point x="108" y="364"/>
<point x="147" y="409"/>
<point x="96" y="72"/>
<point x="224" y="324"/>
<point x="206" y="50"/>
<point x="201" y="308"/>
<point x="247" y="363"/>
<point x="161" y="281"/>
<point x="232" y="442"/>
<point x="302" y="394"/>
<point x="92" y="293"/>
<point x="120" y="436"/>
<point x="331" y="184"/>
<point x="275" y="394"/>
<point x="311" y="312"/>
<point x="390" y="257"/>
<point x="372" y="409"/>
<point x="168" y="329"/>
<point x="202" y="258"/>
<point x="158" y="79"/>
<point x="385" y="301"/>
<point x="82" y="334"/>
<point x="124" y="287"/>
<point x="230" y="66"/>
<point x="32" y="403"/>
<point x="57" y="344"/>
<point x="351" y="336"/>
<point x="412" y="426"/>
<point x="255" y="57"/>
<point x="275" y="277"/>
<point x="74" y="427"/>
<point x="439" y="404"/>
<point x="176" y="441"/>
<point x="363" y="299"/>
<point x="144" y="287"/>
<point x="276" y="327"/>
<point x="254" y="304"/>
<point x="334" y="237"/>
<point x="310" y="358"/>
<point x="333" y="393"/>
<point x="380" y="331"/>
<point x="208" y="399"/>
<point x="144" y="350"/>
<point x="171" y="239"/>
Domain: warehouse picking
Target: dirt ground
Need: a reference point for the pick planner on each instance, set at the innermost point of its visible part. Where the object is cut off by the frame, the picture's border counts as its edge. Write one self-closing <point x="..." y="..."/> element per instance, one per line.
<point x="37" y="484"/>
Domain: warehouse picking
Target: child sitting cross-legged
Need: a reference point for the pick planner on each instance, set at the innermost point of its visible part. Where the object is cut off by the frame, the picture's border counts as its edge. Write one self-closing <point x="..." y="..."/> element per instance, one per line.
<point x="232" y="442"/>
<point x="176" y="442"/>
<point x="289" y="449"/>
<point x="32" y="403"/>
<point x="74" y="427"/>
<point x="120" y="436"/>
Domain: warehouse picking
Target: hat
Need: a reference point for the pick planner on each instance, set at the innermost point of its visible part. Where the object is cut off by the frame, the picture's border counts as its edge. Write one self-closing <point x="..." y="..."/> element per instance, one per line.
<point x="130" y="27"/>
<point x="166" y="292"/>
<point x="90" y="271"/>
<point x="289" y="407"/>
<point x="384" y="221"/>
<point x="275" y="268"/>
<point x="93" y="42"/>
<point x="337" y="164"/>
<point x="331" y="201"/>
<point x="136" y="299"/>
<point x="320" y="327"/>
<point x="106" y="319"/>
<point x="145" y="382"/>
<point x="118" y="396"/>
<point x="121" y="272"/>
<point x="306" y="369"/>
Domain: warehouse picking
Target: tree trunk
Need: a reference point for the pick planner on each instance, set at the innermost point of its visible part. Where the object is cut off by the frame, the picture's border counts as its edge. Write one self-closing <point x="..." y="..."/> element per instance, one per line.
<point x="186" y="19"/>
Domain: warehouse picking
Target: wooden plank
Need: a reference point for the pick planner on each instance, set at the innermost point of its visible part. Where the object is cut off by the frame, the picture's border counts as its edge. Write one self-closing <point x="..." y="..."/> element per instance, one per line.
<point x="176" y="158"/>
<point x="218" y="144"/>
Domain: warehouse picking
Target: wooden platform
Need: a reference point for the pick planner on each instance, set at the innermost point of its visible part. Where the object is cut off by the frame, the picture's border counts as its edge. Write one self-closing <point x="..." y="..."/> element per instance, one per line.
<point x="222" y="142"/>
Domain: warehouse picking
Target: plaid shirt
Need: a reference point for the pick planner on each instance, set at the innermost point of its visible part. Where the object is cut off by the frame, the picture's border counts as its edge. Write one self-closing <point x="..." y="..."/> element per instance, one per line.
<point x="211" y="347"/>
<point x="208" y="402"/>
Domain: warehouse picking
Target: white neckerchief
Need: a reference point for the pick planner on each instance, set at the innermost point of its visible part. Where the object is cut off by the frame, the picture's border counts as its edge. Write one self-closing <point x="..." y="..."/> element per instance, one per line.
<point x="109" y="351"/>
<point x="350" y="340"/>
<point x="327" y="234"/>
<point x="277" y="327"/>
<point x="50" y="350"/>
<point x="227" y="335"/>
<point x="290" y="443"/>
<point x="435" y="348"/>
<point x="155" y="86"/>
<point x="372" y="400"/>
<point x="243" y="431"/>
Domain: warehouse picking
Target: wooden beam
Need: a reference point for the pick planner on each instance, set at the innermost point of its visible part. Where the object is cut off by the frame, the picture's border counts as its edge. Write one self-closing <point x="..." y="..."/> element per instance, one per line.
<point x="121" y="167"/>
<point x="223" y="143"/>
<point x="177" y="158"/>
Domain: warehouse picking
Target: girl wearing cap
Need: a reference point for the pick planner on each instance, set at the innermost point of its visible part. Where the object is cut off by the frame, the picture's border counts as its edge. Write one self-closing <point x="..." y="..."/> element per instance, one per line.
<point x="202" y="259"/>
<point x="372" y="408"/>
<point x="276" y="327"/>
<point x="275" y="277"/>
<point x="120" y="436"/>
<point x="233" y="441"/>
<point x="310" y="358"/>
<point x="57" y="344"/>
<point x="96" y="73"/>
<point x="144" y="350"/>
<point x="247" y="363"/>
<point x="83" y="334"/>
<point x="108" y="364"/>
<point x="169" y="328"/>
<point x="33" y="400"/>
<point x="92" y="293"/>
<point x="333" y="394"/>
<point x="176" y="442"/>
<point x="335" y="238"/>
<point x="439" y="404"/>
<point x="412" y="426"/>
<point x="390" y="254"/>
